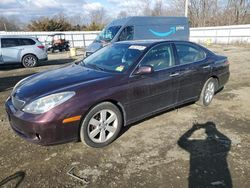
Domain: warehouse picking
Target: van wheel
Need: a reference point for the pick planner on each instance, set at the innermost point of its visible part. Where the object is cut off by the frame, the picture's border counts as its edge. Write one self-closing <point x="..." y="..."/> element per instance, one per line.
<point x="29" y="61"/>
<point x="101" y="126"/>
<point x="207" y="92"/>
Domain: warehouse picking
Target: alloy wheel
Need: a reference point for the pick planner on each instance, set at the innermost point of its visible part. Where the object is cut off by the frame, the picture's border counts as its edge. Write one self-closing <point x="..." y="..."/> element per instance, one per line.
<point x="209" y="92"/>
<point x="30" y="61"/>
<point x="102" y="126"/>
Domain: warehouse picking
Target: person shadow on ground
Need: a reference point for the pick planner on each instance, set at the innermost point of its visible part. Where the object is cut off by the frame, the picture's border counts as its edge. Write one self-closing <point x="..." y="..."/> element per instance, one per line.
<point x="208" y="157"/>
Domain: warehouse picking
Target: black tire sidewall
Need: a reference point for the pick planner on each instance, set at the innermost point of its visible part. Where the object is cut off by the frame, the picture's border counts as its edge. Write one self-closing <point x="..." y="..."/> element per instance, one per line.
<point x="29" y="55"/>
<point x="84" y="126"/>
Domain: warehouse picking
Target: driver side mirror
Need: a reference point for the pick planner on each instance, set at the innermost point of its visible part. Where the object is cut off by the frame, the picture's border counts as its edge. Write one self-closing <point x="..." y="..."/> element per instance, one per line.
<point x="146" y="69"/>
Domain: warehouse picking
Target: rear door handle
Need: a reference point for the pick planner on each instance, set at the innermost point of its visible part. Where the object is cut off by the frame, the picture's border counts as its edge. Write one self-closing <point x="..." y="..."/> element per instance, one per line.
<point x="206" y="67"/>
<point x="175" y="74"/>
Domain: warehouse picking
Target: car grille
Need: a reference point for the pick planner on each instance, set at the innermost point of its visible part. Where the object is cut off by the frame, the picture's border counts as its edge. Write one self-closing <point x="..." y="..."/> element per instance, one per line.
<point x="17" y="103"/>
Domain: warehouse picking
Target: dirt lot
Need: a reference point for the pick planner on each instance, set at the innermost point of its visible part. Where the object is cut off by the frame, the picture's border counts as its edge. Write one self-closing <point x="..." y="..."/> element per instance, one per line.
<point x="147" y="154"/>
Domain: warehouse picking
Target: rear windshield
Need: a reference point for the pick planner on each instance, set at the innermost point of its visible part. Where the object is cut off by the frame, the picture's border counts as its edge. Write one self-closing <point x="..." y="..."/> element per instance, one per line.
<point x="107" y="34"/>
<point x="114" y="58"/>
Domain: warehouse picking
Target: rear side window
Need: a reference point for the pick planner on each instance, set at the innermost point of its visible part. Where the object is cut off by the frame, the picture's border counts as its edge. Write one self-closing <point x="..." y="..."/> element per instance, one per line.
<point x="9" y="42"/>
<point x="159" y="57"/>
<point x="24" y="42"/>
<point x="189" y="54"/>
<point x="127" y="34"/>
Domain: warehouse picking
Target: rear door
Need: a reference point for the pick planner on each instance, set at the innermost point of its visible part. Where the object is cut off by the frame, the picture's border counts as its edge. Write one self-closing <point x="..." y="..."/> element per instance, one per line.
<point x="28" y="45"/>
<point x="194" y="69"/>
<point x="155" y="91"/>
<point x="10" y="50"/>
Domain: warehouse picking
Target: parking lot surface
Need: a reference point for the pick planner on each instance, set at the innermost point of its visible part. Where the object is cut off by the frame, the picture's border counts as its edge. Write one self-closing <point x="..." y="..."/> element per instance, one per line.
<point x="152" y="153"/>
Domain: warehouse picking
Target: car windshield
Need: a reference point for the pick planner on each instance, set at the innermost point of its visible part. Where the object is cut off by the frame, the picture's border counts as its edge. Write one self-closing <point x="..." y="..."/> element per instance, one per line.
<point x="107" y="34"/>
<point x="114" y="58"/>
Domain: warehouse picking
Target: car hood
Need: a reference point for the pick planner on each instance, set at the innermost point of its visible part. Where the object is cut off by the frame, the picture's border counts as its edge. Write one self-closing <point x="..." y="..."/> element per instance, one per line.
<point x="62" y="79"/>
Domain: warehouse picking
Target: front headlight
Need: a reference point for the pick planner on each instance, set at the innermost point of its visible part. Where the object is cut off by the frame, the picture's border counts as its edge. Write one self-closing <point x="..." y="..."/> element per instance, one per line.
<point x="45" y="104"/>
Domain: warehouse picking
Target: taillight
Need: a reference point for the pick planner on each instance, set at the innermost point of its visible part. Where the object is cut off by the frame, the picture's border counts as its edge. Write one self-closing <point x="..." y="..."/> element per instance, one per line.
<point x="41" y="47"/>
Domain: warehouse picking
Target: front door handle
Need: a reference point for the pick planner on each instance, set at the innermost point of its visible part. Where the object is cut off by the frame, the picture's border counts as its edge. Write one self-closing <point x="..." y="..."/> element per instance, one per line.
<point x="175" y="74"/>
<point x="206" y="67"/>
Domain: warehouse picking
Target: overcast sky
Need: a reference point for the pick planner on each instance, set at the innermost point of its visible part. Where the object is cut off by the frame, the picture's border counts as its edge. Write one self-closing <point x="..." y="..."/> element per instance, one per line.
<point x="26" y="10"/>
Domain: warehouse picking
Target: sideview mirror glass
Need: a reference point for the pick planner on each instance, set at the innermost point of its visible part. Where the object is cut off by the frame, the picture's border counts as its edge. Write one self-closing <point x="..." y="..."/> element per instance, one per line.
<point x="144" y="70"/>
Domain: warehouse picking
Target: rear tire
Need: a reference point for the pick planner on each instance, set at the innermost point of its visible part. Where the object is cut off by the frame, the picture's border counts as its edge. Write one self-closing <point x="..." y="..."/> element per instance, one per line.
<point x="101" y="125"/>
<point x="207" y="92"/>
<point x="29" y="61"/>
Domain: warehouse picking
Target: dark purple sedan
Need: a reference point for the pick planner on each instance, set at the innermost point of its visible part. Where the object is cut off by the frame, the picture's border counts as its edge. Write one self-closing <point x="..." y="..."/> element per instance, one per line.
<point x="114" y="87"/>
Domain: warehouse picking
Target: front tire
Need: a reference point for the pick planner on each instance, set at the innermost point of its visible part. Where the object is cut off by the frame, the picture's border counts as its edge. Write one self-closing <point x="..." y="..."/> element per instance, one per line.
<point x="101" y="126"/>
<point x="29" y="61"/>
<point x="208" y="92"/>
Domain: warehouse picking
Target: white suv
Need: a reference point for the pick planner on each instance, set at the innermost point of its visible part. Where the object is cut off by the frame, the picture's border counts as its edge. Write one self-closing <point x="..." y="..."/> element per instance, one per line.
<point x="20" y="49"/>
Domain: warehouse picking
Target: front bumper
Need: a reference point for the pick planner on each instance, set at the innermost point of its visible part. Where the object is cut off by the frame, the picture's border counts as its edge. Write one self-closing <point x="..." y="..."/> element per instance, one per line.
<point x="44" y="129"/>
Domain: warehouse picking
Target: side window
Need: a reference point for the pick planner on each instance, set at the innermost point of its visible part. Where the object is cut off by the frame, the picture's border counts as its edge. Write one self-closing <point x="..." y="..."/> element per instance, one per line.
<point x="189" y="54"/>
<point x="9" y="42"/>
<point x="25" y="42"/>
<point x="159" y="57"/>
<point x="127" y="34"/>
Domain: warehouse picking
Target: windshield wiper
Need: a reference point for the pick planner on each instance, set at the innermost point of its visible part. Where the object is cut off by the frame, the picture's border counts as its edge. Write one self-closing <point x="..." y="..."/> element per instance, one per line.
<point x="95" y="66"/>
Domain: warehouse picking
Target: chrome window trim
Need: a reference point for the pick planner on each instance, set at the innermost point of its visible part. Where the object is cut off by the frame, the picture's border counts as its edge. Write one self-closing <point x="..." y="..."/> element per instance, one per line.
<point x="170" y="43"/>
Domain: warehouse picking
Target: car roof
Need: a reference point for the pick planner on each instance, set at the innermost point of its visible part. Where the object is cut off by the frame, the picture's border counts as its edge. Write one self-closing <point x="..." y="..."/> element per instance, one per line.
<point x="149" y="42"/>
<point x="16" y="36"/>
<point x="56" y="34"/>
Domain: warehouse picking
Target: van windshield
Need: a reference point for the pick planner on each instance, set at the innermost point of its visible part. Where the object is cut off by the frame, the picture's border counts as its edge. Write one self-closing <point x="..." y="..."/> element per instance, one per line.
<point x="107" y="34"/>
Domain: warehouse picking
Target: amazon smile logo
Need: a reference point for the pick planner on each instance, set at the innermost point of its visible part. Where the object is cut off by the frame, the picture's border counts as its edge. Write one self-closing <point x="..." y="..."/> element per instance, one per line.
<point x="172" y="31"/>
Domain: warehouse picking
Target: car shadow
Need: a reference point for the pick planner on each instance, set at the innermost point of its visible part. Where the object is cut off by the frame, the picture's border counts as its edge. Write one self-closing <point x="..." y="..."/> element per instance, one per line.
<point x="18" y="177"/>
<point x="40" y="64"/>
<point x="127" y="127"/>
<point x="9" y="82"/>
<point x="208" y="157"/>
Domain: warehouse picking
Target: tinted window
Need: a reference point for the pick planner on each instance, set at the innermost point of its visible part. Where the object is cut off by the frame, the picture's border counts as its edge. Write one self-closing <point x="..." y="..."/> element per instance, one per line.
<point x="107" y="34"/>
<point x="9" y="42"/>
<point x="159" y="57"/>
<point x="24" y="42"/>
<point x="127" y="34"/>
<point x="189" y="54"/>
<point x="114" y="58"/>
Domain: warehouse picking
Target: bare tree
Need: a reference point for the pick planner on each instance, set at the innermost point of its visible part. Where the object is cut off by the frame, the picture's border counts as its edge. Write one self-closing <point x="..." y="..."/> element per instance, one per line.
<point x="122" y="14"/>
<point x="238" y="11"/>
<point x="9" y="24"/>
<point x="98" y="16"/>
<point x="158" y="9"/>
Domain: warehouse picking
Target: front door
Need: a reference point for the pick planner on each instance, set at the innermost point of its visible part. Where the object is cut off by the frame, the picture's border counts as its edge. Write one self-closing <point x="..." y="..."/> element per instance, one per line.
<point x="155" y="91"/>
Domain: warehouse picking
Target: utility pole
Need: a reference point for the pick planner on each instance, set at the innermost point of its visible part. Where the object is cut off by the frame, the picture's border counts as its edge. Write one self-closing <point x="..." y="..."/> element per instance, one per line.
<point x="5" y="26"/>
<point x="186" y="8"/>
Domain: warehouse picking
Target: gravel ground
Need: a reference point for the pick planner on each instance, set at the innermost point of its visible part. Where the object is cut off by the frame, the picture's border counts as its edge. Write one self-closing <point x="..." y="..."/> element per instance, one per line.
<point x="151" y="153"/>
